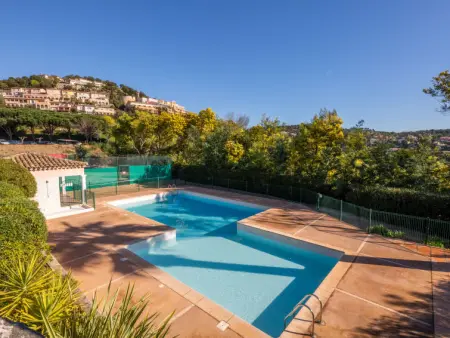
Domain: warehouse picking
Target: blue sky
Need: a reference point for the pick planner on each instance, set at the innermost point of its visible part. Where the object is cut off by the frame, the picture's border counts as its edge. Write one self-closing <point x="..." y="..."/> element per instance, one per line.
<point x="288" y="58"/>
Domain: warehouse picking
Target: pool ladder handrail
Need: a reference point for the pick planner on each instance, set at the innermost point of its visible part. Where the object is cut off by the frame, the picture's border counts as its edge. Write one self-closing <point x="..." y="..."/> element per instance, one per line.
<point x="299" y="305"/>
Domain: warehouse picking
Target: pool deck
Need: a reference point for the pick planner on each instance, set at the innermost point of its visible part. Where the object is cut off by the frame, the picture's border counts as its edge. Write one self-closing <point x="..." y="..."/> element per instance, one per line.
<point x="380" y="287"/>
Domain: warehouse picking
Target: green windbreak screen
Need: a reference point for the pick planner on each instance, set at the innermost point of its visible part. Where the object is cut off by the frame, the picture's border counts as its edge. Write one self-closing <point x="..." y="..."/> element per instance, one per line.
<point x="108" y="176"/>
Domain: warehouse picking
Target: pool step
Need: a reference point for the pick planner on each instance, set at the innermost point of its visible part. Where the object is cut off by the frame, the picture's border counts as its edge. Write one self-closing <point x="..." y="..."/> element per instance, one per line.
<point x="302" y="304"/>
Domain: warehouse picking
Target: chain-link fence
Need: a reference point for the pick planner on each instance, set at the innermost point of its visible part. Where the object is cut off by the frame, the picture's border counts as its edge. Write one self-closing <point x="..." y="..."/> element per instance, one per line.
<point x="116" y="187"/>
<point x="124" y="170"/>
<point x="413" y="228"/>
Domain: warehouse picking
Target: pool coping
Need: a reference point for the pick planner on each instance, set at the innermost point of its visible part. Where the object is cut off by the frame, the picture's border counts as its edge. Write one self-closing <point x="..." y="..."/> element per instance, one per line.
<point x="300" y="324"/>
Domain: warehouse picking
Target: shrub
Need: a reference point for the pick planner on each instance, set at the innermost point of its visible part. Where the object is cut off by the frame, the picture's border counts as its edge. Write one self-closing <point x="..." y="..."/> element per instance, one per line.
<point x="21" y="220"/>
<point x="402" y="201"/>
<point x="15" y="174"/>
<point x="8" y="190"/>
<point x="435" y="241"/>
<point x="380" y="229"/>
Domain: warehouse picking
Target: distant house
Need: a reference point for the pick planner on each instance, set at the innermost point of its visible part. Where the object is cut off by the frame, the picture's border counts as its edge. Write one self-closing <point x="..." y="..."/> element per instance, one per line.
<point x="445" y="139"/>
<point x="84" y="108"/>
<point x="105" y="111"/>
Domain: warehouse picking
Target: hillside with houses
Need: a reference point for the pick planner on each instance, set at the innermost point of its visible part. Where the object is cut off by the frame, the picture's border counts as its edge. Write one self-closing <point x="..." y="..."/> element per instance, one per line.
<point x="77" y="94"/>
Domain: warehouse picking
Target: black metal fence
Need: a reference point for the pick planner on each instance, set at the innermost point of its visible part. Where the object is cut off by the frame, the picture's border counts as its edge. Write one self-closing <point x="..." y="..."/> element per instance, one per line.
<point x="419" y="229"/>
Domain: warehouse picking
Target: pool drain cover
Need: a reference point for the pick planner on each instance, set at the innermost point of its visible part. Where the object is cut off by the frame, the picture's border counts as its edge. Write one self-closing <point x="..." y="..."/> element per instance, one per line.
<point x="222" y="326"/>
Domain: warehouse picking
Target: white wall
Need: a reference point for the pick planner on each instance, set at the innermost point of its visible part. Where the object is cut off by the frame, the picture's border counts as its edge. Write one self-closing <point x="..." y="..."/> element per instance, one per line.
<point x="47" y="194"/>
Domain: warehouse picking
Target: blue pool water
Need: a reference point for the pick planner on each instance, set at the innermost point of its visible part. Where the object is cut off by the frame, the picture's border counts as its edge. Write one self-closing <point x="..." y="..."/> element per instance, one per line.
<point x="257" y="278"/>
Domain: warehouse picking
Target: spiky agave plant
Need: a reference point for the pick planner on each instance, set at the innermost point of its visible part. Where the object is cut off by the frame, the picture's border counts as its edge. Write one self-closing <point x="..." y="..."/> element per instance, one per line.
<point x="46" y="301"/>
<point x="30" y="292"/>
<point x="21" y="280"/>
<point x="106" y="318"/>
<point x="53" y="305"/>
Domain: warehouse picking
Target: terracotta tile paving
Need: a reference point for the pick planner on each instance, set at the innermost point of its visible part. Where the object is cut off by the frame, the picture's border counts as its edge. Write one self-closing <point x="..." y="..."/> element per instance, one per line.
<point x="336" y="238"/>
<point x="347" y="316"/>
<point x="197" y="323"/>
<point x="396" y="287"/>
<point x="380" y="287"/>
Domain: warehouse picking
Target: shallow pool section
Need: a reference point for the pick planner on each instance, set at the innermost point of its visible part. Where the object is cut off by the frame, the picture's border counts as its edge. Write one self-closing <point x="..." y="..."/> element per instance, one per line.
<point x="256" y="275"/>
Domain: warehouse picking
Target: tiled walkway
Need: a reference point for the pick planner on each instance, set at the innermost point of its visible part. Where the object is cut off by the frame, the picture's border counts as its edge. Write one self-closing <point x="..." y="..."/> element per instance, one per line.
<point x="379" y="288"/>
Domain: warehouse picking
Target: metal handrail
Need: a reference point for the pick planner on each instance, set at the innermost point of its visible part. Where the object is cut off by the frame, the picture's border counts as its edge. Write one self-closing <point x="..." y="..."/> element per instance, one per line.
<point x="319" y="319"/>
<point x="299" y="305"/>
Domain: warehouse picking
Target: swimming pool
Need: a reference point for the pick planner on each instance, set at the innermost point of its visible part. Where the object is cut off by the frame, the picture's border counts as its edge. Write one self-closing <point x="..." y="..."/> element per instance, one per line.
<point x="259" y="278"/>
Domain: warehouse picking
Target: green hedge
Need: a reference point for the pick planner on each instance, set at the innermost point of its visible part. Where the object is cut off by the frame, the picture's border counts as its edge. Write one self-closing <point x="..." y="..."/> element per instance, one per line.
<point x="21" y="220"/>
<point x="8" y="190"/>
<point x="402" y="201"/>
<point x="14" y="173"/>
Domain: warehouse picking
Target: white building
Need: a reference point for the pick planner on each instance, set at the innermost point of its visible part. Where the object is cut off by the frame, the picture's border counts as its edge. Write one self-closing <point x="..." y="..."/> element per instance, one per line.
<point x="61" y="183"/>
<point x="83" y="96"/>
<point x="84" y="108"/>
<point x="105" y="111"/>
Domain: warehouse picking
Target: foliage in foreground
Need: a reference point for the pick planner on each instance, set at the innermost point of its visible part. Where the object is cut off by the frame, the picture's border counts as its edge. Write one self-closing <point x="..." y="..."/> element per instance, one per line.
<point x="17" y="175"/>
<point x="33" y="294"/>
<point x="21" y="220"/>
<point x="48" y="302"/>
<point x="128" y="321"/>
<point x="8" y="190"/>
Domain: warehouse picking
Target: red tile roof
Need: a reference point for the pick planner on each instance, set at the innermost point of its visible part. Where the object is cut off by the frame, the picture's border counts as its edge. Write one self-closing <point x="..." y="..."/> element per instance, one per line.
<point x="41" y="162"/>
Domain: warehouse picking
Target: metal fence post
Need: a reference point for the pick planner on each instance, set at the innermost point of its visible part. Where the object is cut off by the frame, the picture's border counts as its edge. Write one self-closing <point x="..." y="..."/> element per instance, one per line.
<point x="318" y="201"/>
<point x="117" y="186"/>
<point x="290" y="191"/>
<point x="428" y="230"/>
<point x="246" y="185"/>
<point x="267" y="189"/>
<point x="158" y="181"/>
<point x="370" y="220"/>
<point x="340" y="217"/>
<point x="93" y="199"/>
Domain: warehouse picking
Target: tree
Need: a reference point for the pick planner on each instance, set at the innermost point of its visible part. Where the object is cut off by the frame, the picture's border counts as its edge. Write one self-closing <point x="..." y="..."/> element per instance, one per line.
<point x="136" y="134"/>
<point x="316" y="149"/>
<point x="169" y="128"/>
<point x="425" y="170"/>
<point x="2" y="101"/>
<point x="9" y="121"/>
<point x="191" y="148"/>
<point x="89" y="127"/>
<point x="267" y="147"/>
<point x="241" y="120"/>
<point x="353" y="161"/>
<point x="52" y="121"/>
<point x="35" y="83"/>
<point x="206" y="122"/>
<point x="222" y="147"/>
<point x="441" y="89"/>
<point x="32" y="119"/>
